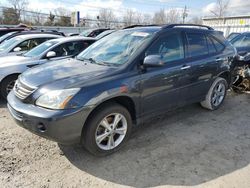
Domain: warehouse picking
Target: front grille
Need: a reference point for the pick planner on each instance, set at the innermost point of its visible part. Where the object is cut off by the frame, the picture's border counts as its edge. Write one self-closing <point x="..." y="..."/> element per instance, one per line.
<point x="22" y="91"/>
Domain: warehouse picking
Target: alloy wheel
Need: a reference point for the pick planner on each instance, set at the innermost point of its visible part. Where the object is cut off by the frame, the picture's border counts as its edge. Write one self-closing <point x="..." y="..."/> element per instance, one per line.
<point x="111" y="131"/>
<point x="218" y="94"/>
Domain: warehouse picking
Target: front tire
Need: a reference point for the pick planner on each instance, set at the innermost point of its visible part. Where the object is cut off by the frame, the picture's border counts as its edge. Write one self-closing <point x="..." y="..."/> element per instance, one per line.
<point x="216" y="94"/>
<point x="107" y="130"/>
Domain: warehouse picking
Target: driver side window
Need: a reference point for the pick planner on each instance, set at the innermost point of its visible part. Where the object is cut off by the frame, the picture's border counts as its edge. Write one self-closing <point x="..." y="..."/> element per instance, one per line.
<point x="169" y="48"/>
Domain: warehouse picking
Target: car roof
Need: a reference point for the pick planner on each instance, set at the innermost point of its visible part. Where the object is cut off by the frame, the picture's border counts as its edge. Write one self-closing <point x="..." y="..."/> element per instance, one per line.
<point x="73" y="38"/>
<point x="171" y="26"/>
<point x="145" y="29"/>
<point x="30" y="36"/>
<point x="247" y="32"/>
<point x="13" y="28"/>
<point x="38" y="32"/>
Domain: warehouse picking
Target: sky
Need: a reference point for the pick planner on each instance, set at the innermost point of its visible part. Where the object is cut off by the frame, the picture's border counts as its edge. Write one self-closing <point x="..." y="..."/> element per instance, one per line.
<point x="198" y="8"/>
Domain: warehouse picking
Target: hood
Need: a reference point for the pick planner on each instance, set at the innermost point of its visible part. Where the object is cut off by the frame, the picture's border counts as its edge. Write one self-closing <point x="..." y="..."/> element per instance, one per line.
<point x="12" y="60"/>
<point x="66" y="73"/>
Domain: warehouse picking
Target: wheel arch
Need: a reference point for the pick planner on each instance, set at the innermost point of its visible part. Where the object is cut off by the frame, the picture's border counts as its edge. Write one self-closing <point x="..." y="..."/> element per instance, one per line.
<point x="227" y="76"/>
<point x="2" y="84"/>
<point x="7" y="76"/>
<point x="10" y="75"/>
<point x="124" y="101"/>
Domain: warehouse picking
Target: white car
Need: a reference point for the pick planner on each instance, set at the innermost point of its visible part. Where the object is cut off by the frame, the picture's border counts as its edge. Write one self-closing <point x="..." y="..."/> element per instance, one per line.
<point x="47" y="52"/>
<point x="22" y="43"/>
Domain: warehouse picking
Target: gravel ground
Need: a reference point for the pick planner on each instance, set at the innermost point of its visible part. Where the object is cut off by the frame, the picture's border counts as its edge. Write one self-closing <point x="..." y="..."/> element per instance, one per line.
<point x="188" y="147"/>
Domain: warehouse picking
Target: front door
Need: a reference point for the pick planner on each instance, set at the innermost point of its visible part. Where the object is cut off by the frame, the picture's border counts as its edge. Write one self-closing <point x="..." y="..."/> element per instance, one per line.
<point x="161" y="86"/>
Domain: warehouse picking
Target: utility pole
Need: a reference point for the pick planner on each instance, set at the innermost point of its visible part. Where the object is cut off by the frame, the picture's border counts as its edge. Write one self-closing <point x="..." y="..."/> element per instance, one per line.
<point x="184" y="14"/>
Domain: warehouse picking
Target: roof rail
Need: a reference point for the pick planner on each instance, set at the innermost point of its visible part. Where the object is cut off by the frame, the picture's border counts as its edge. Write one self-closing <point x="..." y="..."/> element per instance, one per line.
<point x="133" y="26"/>
<point x="187" y="25"/>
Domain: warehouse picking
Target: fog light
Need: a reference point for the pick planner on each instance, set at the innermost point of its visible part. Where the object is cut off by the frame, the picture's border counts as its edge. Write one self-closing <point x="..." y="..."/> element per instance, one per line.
<point x="41" y="127"/>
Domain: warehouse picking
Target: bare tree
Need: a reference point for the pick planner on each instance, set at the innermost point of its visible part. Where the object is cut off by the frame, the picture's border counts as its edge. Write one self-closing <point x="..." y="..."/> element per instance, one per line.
<point x="106" y="18"/>
<point x="128" y="17"/>
<point x="38" y="17"/>
<point x="147" y="19"/>
<point x="86" y="22"/>
<point x="9" y="16"/>
<point x="63" y="17"/>
<point x="18" y="6"/>
<point x="139" y="18"/>
<point x="220" y="8"/>
<point x="160" y="17"/>
<point x="173" y="16"/>
<point x="50" y="20"/>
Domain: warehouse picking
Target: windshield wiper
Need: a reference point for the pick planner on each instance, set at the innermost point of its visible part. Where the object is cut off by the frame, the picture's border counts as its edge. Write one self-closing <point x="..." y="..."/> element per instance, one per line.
<point x="93" y="61"/>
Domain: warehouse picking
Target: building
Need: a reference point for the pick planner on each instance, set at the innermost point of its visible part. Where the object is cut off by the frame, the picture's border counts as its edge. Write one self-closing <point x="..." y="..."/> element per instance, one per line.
<point x="229" y="24"/>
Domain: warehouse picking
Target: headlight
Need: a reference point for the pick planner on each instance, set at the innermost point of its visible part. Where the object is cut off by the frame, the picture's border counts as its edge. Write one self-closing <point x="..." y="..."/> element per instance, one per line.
<point x="57" y="99"/>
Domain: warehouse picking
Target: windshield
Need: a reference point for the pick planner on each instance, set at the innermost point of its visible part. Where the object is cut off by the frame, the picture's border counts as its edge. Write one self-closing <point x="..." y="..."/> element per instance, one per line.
<point x="2" y="38"/>
<point x="103" y="34"/>
<point x="86" y="32"/>
<point x="5" y="45"/>
<point x="241" y="41"/>
<point x="116" y="48"/>
<point x="232" y="36"/>
<point x="37" y="51"/>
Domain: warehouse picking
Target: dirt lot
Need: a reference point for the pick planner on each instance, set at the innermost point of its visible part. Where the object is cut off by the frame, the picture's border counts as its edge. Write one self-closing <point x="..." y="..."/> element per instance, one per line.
<point x="187" y="147"/>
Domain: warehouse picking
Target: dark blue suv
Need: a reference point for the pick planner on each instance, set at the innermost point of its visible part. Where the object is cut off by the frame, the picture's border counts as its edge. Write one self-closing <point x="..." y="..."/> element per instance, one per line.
<point x="120" y="81"/>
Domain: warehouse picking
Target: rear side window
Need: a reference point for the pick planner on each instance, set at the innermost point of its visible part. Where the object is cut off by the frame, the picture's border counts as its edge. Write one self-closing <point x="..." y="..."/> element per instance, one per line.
<point x="170" y="48"/>
<point x="197" y="44"/>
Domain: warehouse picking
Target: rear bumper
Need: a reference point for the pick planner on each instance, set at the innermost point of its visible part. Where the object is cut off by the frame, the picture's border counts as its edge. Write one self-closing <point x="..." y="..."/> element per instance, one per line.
<point x="62" y="126"/>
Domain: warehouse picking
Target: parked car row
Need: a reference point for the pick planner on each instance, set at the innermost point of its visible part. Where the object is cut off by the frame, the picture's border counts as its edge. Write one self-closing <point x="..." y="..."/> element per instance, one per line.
<point x="20" y="47"/>
<point x="72" y="91"/>
<point x="49" y="51"/>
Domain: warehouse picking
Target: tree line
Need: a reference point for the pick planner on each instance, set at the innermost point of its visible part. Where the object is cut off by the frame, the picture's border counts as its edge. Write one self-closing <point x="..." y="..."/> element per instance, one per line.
<point x="17" y="13"/>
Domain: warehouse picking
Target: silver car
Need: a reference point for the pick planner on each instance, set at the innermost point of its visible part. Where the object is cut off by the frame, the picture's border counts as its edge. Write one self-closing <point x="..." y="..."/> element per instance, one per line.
<point x="22" y="43"/>
<point x="49" y="51"/>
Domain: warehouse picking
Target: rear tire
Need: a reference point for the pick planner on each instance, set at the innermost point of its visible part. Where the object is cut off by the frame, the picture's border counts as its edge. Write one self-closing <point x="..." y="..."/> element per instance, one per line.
<point x="102" y="135"/>
<point x="7" y="84"/>
<point x="216" y="94"/>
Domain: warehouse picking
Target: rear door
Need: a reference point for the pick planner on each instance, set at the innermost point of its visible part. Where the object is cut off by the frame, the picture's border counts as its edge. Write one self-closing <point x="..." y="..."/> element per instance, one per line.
<point x="203" y="58"/>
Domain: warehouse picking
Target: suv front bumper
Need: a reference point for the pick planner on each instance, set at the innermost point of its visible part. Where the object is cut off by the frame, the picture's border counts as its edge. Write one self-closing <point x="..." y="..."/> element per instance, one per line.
<point x="62" y="126"/>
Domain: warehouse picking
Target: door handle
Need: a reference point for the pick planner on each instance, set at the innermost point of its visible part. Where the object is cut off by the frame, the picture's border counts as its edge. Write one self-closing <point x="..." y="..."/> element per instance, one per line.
<point x="185" y="67"/>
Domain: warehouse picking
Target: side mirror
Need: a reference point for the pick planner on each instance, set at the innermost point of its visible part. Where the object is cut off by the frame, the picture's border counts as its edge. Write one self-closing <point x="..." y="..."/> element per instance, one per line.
<point x="17" y="49"/>
<point x="153" y="61"/>
<point x="50" y="54"/>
